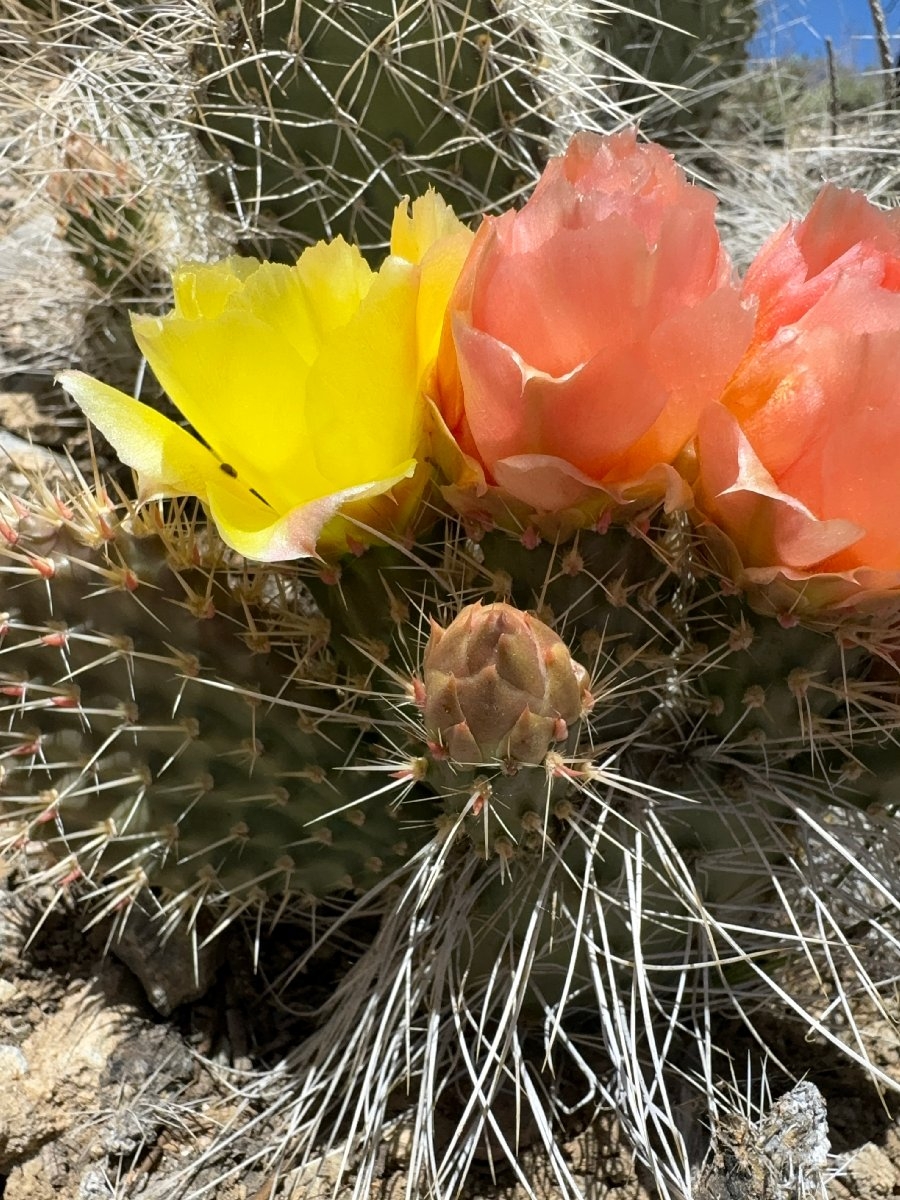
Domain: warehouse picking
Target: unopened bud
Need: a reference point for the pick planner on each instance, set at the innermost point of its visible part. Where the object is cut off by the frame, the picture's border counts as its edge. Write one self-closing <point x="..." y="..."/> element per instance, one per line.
<point x="500" y="685"/>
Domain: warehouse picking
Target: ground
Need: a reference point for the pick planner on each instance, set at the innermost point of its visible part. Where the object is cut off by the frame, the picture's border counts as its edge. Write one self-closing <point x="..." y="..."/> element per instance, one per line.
<point x="103" y="1096"/>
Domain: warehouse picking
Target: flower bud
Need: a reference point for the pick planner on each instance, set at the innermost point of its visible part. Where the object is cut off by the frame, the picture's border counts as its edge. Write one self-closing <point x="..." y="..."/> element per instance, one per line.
<point x="500" y="684"/>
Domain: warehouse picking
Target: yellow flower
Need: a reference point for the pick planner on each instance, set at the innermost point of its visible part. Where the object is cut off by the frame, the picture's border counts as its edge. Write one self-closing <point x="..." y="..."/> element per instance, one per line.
<point x="303" y="383"/>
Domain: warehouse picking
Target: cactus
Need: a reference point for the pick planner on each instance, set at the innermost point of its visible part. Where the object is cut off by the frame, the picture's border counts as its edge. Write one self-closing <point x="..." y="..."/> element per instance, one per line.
<point x="324" y="118"/>
<point x="500" y="693"/>
<point x="164" y="727"/>
<point x="321" y="121"/>
<point x="664" y="883"/>
<point x="608" y="873"/>
<point x="104" y="161"/>
<point x="665" y="893"/>
<point x="709" y="833"/>
<point x="695" y="49"/>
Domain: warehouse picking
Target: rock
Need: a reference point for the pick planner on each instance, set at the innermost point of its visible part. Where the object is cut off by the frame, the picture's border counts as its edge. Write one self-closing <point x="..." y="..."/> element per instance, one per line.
<point x="172" y="972"/>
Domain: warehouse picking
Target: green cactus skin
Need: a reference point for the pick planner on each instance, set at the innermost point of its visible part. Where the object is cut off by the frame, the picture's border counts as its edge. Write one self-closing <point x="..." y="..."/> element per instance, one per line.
<point x="607" y="594"/>
<point x="154" y="732"/>
<point x="867" y="777"/>
<point x="764" y="687"/>
<point x="564" y="802"/>
<point x="326" y="114"/>
<point x="691" y="48"/>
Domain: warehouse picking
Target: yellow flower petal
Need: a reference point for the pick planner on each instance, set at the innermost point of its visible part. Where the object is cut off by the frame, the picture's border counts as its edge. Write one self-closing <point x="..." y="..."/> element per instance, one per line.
<point x="204" y="289"/>
<point x="242" y="389"/>
<point x="415" y="232"/>
<point x="438" y="274"/>
<point x="365" y="414"/>
<point x="335" y="279"/>
<point x="168" y="459"/>
<point x="299" y="532"/>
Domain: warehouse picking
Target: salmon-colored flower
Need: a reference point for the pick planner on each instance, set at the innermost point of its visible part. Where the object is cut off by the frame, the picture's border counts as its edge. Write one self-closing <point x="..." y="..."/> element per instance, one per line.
<point x="304" y="384"/>
<point x="798" y="465"/>
<point x="588" y="331"/>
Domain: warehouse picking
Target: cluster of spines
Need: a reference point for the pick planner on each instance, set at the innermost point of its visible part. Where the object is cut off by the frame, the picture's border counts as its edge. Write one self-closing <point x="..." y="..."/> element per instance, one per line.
<point x="167" y="725"/>
<point x="639" y="846"/>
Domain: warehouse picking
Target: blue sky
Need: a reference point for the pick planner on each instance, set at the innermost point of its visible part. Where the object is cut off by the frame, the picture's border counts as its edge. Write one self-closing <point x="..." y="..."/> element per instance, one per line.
<point x="800" y="26"/>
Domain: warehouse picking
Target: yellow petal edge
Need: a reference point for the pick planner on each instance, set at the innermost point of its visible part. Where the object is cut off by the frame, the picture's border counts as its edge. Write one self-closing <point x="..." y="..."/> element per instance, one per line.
<point x="304" y="384"/>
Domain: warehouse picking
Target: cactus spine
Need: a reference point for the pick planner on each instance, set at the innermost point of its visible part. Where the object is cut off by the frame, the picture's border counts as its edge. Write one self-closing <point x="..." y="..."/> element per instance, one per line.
<point x="694" y="50"/>
<point x="165" y="726"/>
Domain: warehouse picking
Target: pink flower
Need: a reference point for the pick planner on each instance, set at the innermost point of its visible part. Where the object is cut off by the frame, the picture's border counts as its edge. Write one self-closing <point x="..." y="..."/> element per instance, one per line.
<point x="799" y="464"/>
<point x="588" y="331"/>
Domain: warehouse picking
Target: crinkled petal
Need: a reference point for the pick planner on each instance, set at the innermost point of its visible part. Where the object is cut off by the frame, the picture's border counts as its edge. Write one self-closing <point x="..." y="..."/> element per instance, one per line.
<point x="693" y="352"/>
<point x="771" y="527"/>
<point x="553" y="485"/>
<point x="203" y="290"/>
<point x="843" y="237"/>
<point x="417" y="228"/>
<point x="512" y="409"/>
<point x="841" y="220"/>
<point x="543" y="481"/>
<point x="561" y="305"/>
<point x="335" y="279"/>
<point x="432" y="237"/>
<point x="438" y="273"/>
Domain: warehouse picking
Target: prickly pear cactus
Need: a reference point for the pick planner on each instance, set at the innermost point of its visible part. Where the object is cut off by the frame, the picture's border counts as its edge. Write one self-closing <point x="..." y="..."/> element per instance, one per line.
<point x="157" y="734"/>
<point x="324" y="115"/>
<point x="692" y="48"/>
<point x="545" y="752"/>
